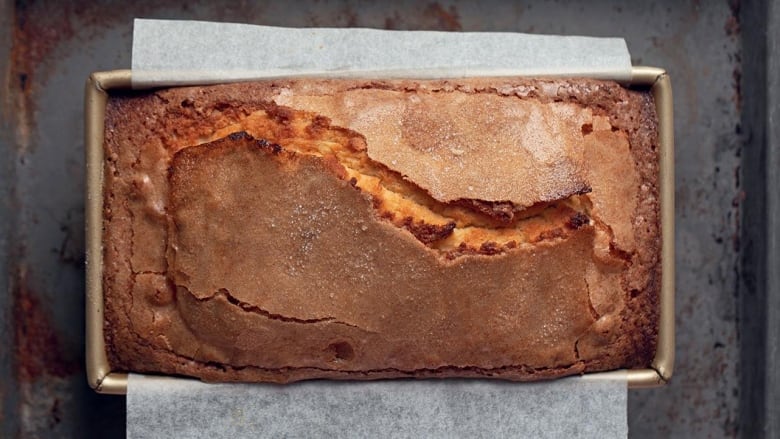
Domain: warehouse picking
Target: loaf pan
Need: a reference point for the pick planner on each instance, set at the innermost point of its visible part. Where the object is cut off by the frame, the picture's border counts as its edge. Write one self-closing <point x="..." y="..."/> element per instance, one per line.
<point x="104" y="380"/>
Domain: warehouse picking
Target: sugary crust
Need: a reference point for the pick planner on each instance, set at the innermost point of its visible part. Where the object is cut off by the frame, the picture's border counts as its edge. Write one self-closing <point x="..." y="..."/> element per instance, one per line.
<point x="582" y="302"/>
<point x="530" y="150"/>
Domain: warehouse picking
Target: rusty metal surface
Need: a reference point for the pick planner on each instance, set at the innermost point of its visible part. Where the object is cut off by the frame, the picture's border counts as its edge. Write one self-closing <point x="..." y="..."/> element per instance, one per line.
<point x="8" y="400"/>
<point x="760" y="278"/>
<point x="770" y="425"/>
<point x="53" y="46"/>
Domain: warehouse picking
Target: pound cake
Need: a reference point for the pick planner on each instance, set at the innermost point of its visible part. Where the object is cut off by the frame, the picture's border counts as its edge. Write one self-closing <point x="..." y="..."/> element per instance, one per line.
<point x="358" y="229"/>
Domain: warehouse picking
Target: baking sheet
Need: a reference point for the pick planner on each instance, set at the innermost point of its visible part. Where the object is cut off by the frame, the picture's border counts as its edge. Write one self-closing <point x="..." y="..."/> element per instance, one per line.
<point x="572" y="407"/>
<point x="171" y="52"/>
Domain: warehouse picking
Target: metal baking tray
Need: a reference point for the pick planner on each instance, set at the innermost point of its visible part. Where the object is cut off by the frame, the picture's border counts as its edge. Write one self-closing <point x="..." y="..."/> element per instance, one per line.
<point x="104" y="380"/>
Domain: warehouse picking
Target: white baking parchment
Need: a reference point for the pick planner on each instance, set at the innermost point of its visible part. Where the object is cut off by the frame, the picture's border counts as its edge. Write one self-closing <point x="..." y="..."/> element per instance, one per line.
<point x="170" y="52"/>
<point x="567" y="408"/>
<point x="186" y="52"/>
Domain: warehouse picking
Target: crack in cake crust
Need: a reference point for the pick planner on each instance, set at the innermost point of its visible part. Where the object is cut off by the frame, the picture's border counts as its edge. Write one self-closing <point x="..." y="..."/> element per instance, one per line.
<point x="250" y="308"/>
<point x="462" y="227"/>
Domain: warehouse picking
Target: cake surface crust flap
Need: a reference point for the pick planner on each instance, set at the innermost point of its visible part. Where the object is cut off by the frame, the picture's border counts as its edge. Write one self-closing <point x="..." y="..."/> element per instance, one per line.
<point x="359" y="229"/>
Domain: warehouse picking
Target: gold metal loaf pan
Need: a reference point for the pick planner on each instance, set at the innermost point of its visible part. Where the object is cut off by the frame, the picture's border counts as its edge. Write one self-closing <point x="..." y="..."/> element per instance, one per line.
<point x="103" y="380"/>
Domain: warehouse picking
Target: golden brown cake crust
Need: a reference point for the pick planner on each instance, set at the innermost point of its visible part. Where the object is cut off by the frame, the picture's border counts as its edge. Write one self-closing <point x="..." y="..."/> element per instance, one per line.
<point x="318" y="244"/>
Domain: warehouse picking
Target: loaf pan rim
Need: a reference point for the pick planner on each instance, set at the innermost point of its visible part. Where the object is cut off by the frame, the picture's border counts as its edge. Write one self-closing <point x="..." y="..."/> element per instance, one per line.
<point x="103" y="380"/>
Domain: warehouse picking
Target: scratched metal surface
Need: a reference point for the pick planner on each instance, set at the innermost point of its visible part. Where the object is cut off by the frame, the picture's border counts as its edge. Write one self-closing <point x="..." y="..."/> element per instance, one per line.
<point x="47" y="49"/>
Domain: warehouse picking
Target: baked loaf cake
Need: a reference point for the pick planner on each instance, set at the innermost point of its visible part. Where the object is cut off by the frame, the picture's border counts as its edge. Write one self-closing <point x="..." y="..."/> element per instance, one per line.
<point x="295" y="229"/>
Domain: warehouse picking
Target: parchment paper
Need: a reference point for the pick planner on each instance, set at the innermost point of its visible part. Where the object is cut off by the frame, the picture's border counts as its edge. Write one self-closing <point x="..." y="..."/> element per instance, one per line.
<point x="185" y="52"/>
<point x="567" y="408"/>
<point x="192" y="52"/>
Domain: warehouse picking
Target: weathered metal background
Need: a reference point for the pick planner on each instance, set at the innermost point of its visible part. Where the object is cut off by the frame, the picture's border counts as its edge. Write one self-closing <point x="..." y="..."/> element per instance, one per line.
<point x="47" y="49"/>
